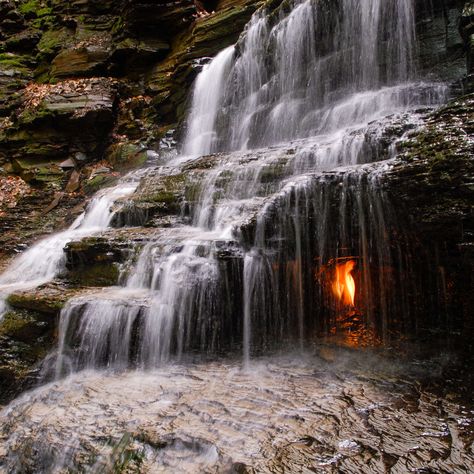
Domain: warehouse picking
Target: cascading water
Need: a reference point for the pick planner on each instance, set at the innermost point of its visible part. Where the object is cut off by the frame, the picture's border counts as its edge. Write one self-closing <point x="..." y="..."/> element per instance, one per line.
<point x="207" y="99"/>
<point x="314" y="70"/>
<point x="46" y="259"/>
<point x="324" y="76"/>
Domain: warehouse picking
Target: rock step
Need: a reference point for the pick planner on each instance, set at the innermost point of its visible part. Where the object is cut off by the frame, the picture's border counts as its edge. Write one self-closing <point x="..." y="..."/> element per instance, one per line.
<point x="46" y="299"/>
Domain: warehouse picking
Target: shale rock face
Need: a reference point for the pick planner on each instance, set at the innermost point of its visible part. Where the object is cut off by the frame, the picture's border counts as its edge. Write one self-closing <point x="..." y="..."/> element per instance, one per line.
<point x="71" y="118"/>
<point x="432" y="182"/>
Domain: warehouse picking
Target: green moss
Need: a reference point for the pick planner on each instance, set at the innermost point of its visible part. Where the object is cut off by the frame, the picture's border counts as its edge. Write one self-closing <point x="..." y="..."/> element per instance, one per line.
<point x="127" y="43"/>
<point x="125" y="156"/>
<point x="273" y="172"/>
<point x="192" y="191"/>
<point x="35" y="301"/>
<point x="30" y="7"/>
<point x="42" y="74"/>
<point x="44" y="22"/>
<point x="164" y="195"/>
<point x="35" y="8"/>
<point x="118" y="25"/>
<point x="28" y="116"/>
<point x="52" y="41"/>
<point x="84" y="244"/>
<point x="100" y="274"/>
<point x="22" y="325"/>
<point x="94" y="184"/>
<point x="16" y="62"/>
<point x="45" y="11"/>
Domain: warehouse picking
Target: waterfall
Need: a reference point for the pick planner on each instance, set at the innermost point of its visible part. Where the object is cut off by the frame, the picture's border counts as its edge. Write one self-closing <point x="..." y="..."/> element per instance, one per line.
<point x="300" y="107"/>
<point x="316" y="69"/>
<point x="46" y="259"/>
<point x="206" y="102"/>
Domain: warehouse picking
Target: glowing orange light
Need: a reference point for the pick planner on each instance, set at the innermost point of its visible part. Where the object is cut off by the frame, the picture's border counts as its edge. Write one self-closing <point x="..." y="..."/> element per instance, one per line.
<point x="344" y="284"/>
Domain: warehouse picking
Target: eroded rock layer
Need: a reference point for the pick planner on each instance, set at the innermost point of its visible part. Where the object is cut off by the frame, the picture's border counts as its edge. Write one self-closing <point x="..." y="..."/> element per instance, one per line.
<point x="336" y="412"/>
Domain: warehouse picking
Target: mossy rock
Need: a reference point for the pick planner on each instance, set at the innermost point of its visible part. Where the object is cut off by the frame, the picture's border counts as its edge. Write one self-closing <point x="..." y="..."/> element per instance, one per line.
<point x="33" y="116"/>
<point x="47" y="302"/>
<point x="80" y="62"/>
<point x="15" y="62"/>
<point x="34" y="8"/>
<point x="126" y="156"/>
<point x="97" y="182"/>
<point x="206" y="162"/>
<point x="97" y="275"/>
<point x="439" y="159"/>
<point x="26" y="337"/>
<point x="171" y="79"/>
<point x="33" y="170"/>
<point x="25" y="41"/>
<point x="95" y="260"/>
<point x="52" y="41"/>
<point x="96" y="251"/>
<point x="274" y="172"/>
<point x="165" y="189"/>
<point x="24" y="326"/>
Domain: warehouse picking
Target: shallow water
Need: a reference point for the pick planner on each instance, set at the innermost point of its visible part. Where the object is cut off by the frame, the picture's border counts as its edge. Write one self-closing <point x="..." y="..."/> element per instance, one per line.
<point x="333" y="411"/>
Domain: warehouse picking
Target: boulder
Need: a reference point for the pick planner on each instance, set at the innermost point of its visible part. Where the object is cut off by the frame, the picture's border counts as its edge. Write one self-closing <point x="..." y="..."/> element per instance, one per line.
<point x="80" y="62"/>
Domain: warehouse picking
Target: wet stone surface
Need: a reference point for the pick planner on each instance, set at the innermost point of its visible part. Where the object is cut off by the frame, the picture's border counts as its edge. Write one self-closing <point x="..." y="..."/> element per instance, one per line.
<point x="339" y="411"/>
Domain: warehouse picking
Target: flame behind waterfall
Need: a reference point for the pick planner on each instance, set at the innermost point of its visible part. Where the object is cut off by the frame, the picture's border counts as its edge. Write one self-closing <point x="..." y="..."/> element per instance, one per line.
<point x="344" y="285"/>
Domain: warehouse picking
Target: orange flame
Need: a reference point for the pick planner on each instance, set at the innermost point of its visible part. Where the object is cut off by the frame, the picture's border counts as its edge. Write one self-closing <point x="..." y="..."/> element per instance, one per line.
<point x="344" y="284"/>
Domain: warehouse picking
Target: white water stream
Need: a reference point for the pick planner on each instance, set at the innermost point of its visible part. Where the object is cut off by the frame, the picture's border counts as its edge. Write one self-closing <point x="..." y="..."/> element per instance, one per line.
<point x="46" y="259"/>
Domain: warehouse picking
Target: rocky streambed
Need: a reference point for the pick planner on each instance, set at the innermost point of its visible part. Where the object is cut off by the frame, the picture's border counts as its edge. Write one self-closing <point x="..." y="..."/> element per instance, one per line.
<point x="328" y="411"/>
